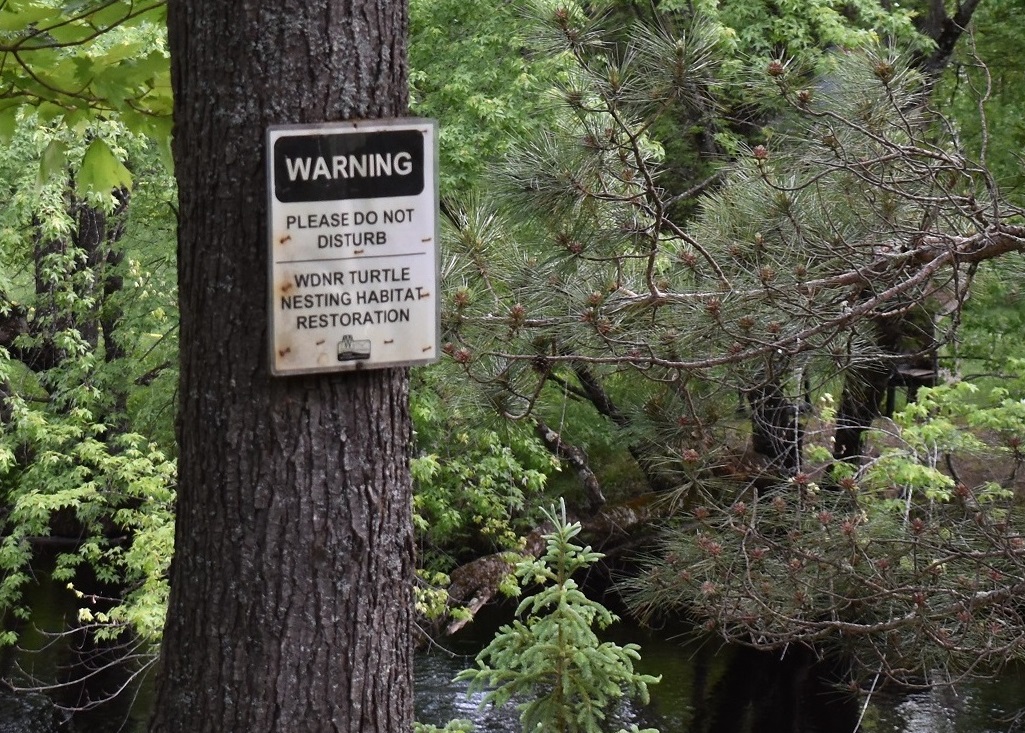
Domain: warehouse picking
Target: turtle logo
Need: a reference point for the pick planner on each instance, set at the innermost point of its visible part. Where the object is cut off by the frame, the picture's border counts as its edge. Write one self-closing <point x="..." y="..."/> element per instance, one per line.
<point x="350" y="349"/>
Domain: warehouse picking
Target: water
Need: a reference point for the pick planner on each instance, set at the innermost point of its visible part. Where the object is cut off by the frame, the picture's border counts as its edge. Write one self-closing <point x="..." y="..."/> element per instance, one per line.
<point x="709" y="689"/>
<point x="705" y="689"/>
<point x="991" y="706"/>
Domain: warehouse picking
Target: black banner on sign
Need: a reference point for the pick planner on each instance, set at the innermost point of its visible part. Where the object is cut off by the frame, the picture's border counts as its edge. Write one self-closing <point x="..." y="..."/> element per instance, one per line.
<point x="348" y="166"/>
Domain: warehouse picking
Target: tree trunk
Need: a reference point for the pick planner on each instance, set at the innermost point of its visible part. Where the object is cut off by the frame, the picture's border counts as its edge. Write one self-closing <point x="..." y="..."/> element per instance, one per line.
<point x="776" y="430"/>
<point x="864" y="387"/>
<point x="905" y="341"/>
<point x="291" y="602"/>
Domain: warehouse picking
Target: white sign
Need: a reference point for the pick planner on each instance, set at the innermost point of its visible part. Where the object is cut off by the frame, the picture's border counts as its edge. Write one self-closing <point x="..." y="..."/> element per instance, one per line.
<point x="353" y="231"/>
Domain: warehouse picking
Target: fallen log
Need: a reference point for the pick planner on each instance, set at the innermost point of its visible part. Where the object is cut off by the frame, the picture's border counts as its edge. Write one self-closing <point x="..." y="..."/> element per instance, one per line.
<point x="477" y="583"/>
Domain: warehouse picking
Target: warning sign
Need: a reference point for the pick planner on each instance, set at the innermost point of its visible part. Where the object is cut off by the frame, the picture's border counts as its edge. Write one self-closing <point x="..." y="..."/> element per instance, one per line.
<point x="353" y="245"/>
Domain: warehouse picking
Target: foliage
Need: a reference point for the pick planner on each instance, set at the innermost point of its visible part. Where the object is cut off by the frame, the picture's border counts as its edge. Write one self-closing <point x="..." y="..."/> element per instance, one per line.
<point x="588" y="283"/>
<point x="993" y="318"/>
<point x="553" y="656"/>
<point x="814" y="258"/>
<point x="88" y="307"/>
<point x="750" y="34"/>
<point x="453" y="726"/>
<point x="766" y="31"/>
<point x="474" y="485"/>
<point x="76" y="65"/>
<point x="580" y="277"/>
<point x="469" y="69"/>
<point x="85" y="85"/>
<point x="908" y="566"/>
<point x="987" y="77"/>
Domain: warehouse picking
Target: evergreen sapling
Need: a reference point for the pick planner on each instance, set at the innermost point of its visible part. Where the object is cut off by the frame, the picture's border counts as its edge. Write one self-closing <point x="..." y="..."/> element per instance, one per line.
<point x="550" y="656"/>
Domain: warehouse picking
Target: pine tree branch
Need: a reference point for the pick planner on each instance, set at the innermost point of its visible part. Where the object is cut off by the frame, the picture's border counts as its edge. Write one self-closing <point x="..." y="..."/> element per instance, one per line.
<point x="932" y="253"/>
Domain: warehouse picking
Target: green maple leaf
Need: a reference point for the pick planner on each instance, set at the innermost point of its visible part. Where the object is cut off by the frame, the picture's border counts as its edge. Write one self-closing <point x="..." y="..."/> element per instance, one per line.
<point x="101" y="171"/>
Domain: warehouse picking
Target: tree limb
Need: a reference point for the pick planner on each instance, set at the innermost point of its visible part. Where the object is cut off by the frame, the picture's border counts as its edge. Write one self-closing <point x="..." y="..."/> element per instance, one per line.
<point x="576" y="458"/>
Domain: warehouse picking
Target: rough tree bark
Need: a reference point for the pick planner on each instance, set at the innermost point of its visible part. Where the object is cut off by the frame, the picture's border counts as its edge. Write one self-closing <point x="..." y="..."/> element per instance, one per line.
<point x="865" y="387"/>
<point x="291" y="603"/>
<point x="776" y="429"/>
